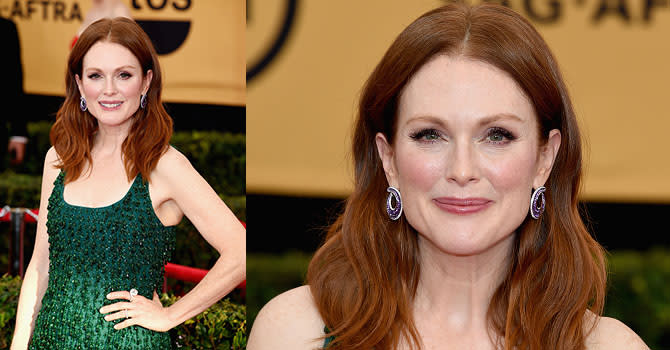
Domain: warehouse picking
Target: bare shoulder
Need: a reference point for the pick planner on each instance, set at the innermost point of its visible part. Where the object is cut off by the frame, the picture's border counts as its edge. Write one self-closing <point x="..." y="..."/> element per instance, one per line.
<point x="289" y="321"/>
<point x="173" y="168"/>
<point x="173" y="161"/>
<point x="50" y="161"/>
<point x="612" y="334"/>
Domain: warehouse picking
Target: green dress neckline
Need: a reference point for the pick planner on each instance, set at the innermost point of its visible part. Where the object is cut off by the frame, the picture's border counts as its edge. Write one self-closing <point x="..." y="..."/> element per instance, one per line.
<point x="109" y="206"/>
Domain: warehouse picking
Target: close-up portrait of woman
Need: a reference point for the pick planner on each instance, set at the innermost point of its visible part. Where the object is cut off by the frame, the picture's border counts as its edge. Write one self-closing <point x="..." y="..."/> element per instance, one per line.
<point x="462" y="230"/>
<point x="113" y="191"/>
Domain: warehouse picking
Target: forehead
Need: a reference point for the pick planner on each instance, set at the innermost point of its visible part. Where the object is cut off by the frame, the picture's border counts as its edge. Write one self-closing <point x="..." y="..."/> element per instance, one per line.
<point x="108" y="55"/>
<point x="462" y="90"/>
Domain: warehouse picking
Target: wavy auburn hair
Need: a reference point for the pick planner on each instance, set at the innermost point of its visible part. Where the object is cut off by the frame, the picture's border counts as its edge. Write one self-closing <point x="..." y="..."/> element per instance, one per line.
<point x="73" y="132"/>
<point x="365" y="275"/>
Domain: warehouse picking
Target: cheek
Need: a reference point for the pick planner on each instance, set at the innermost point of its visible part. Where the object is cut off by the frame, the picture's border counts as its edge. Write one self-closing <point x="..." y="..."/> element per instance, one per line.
<point x="419" y="170"/>
<point x="130" y="88"/>
<point x="512" y="177"/>
<point x="93" y="89"/>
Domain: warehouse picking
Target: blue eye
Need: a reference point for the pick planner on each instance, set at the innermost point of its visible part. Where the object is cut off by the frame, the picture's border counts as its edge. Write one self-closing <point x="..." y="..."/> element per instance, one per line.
<point x="429" y="135"/>
<point x="94" y="76"/>
<point x="499" y="135"/>
<point x="125" y="75"/>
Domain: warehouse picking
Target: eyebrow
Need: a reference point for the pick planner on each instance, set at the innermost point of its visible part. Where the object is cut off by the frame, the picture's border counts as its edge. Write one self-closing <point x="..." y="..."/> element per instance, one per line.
<point x="499" y="116"/>
<point x="117" y="69"/>
<point x="483" y="121"/>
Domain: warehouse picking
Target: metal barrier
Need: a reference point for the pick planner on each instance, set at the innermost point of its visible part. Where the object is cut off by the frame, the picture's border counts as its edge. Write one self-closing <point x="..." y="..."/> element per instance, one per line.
<point x="17" y="217"/>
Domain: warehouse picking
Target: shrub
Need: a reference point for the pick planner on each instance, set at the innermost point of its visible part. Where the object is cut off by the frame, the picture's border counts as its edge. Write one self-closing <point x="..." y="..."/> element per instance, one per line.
<point x="20" y="190"/>
<point x="219" y="157"/>
<point x="269" y="275"/>
<point x="222" y="326"/>
<point x="639" y="294"/>
<point x="9" y="300"/>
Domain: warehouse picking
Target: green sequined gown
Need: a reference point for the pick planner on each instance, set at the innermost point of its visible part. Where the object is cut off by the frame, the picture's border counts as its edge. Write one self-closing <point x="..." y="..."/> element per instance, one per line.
<point x="94" y="251"/>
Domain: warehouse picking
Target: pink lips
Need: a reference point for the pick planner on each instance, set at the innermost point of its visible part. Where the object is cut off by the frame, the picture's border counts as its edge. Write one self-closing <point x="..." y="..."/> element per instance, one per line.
<point x="462" y="206"/>
<point x="110" y="103"/>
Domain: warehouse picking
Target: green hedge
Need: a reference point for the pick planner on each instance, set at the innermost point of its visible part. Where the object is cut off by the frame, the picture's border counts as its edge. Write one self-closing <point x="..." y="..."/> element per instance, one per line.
<point x="638" y="293"/>
<point x="219" y="157"/>
<point x="20" y="190"/>
<point x="269" y="275"/>
<point x="221" y="326"/>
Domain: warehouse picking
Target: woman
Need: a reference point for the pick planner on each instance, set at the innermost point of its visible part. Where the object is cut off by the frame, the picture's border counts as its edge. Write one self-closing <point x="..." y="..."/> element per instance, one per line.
<point x="98" y="260"/>
<point x="463" y="121"/>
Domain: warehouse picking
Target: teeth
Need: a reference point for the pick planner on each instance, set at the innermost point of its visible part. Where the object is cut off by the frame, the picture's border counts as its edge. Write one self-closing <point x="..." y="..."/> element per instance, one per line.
<point x="114" y="105"/>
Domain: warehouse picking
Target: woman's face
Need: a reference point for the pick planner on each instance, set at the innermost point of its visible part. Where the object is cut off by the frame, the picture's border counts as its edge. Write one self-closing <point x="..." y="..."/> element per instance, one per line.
<point x="112" y="83"/>
<point x="466" y="154"/>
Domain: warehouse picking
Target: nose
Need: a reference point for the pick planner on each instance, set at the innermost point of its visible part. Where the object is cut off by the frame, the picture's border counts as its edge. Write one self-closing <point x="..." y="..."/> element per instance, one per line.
<point x="110" y="87"/>
<point x="462" y="165"/>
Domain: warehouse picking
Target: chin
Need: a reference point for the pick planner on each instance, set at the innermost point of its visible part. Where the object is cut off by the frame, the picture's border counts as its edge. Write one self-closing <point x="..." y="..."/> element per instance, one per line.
<point x="465" y="242"/>
<point x="112" y="118"/>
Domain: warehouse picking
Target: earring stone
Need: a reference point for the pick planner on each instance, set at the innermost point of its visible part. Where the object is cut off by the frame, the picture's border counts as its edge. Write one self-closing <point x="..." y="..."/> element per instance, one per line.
<point x="394" y="212"/>
<point x="143" y="101"/>
<point x="82" y="104"/>
<point x="537" y="202"/>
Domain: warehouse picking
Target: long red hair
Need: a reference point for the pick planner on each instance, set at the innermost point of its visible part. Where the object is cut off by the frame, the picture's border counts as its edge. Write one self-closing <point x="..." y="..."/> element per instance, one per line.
<point x="365" y="275"/>
<point x="73" y="132"/>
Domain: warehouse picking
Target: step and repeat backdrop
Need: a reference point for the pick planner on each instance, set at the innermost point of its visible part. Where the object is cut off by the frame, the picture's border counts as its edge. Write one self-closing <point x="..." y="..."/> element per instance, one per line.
<point x="307" y="62"/>
<point x="200" y="43"/>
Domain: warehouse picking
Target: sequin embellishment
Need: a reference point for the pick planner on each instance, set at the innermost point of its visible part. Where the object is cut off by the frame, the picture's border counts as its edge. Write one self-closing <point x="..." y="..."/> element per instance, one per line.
<point x="94" y="251"/>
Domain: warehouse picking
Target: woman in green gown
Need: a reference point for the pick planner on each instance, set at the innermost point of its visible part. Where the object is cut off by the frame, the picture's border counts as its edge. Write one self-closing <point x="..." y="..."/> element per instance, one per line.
<point x="113" y="190"/>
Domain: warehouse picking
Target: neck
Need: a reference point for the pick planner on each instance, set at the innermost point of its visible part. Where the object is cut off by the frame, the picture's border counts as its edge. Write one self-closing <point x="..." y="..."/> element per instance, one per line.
<point x="456" y="290"/>
<point x="108" y="139"/>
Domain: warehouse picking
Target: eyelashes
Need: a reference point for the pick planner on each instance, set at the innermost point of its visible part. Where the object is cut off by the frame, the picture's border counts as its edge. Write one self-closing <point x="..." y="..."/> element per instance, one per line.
<point x="122" y="75"/>
<point x="499" y="135"/>
<point x="426" y="135"/>
<point x="495" y="135"/>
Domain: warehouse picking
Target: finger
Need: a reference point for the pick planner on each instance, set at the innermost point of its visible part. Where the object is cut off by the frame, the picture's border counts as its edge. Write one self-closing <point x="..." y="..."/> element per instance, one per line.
<point x="156" y="297"/>
<point x="121" y="294"/>
<point x="120" y="314"/>
<point x="127" y="323"/>
<point x="116" y="306"/>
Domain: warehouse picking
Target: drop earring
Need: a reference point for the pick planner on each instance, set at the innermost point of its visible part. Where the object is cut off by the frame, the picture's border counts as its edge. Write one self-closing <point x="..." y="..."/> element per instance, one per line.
<point x="394" y="212"/>
<point x="82" y="104"/>
<point x="143" y="101"/>
<point x="537" y="202"/>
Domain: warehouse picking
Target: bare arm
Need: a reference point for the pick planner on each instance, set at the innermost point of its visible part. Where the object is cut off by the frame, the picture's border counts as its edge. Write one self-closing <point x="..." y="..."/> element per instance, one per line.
<point x="218" y="226"/>
<point x="37" y="274"/>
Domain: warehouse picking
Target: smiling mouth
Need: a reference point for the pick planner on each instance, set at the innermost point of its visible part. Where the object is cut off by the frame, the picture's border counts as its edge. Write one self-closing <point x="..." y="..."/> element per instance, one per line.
<point x="110" y="106"/>
<point x="462" y="206"/>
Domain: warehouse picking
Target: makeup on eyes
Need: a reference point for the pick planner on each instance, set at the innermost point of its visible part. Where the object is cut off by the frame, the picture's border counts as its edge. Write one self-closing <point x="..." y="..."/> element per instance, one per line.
<point x="432" y="135"/>
<point x="427" y="134"/>
<point x="122" y="75"/>
<point x="498" y="131"/>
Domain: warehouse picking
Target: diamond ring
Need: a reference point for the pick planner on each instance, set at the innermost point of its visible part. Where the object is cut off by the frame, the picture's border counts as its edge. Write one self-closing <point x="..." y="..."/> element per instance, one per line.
<point x="133" y="293"/>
